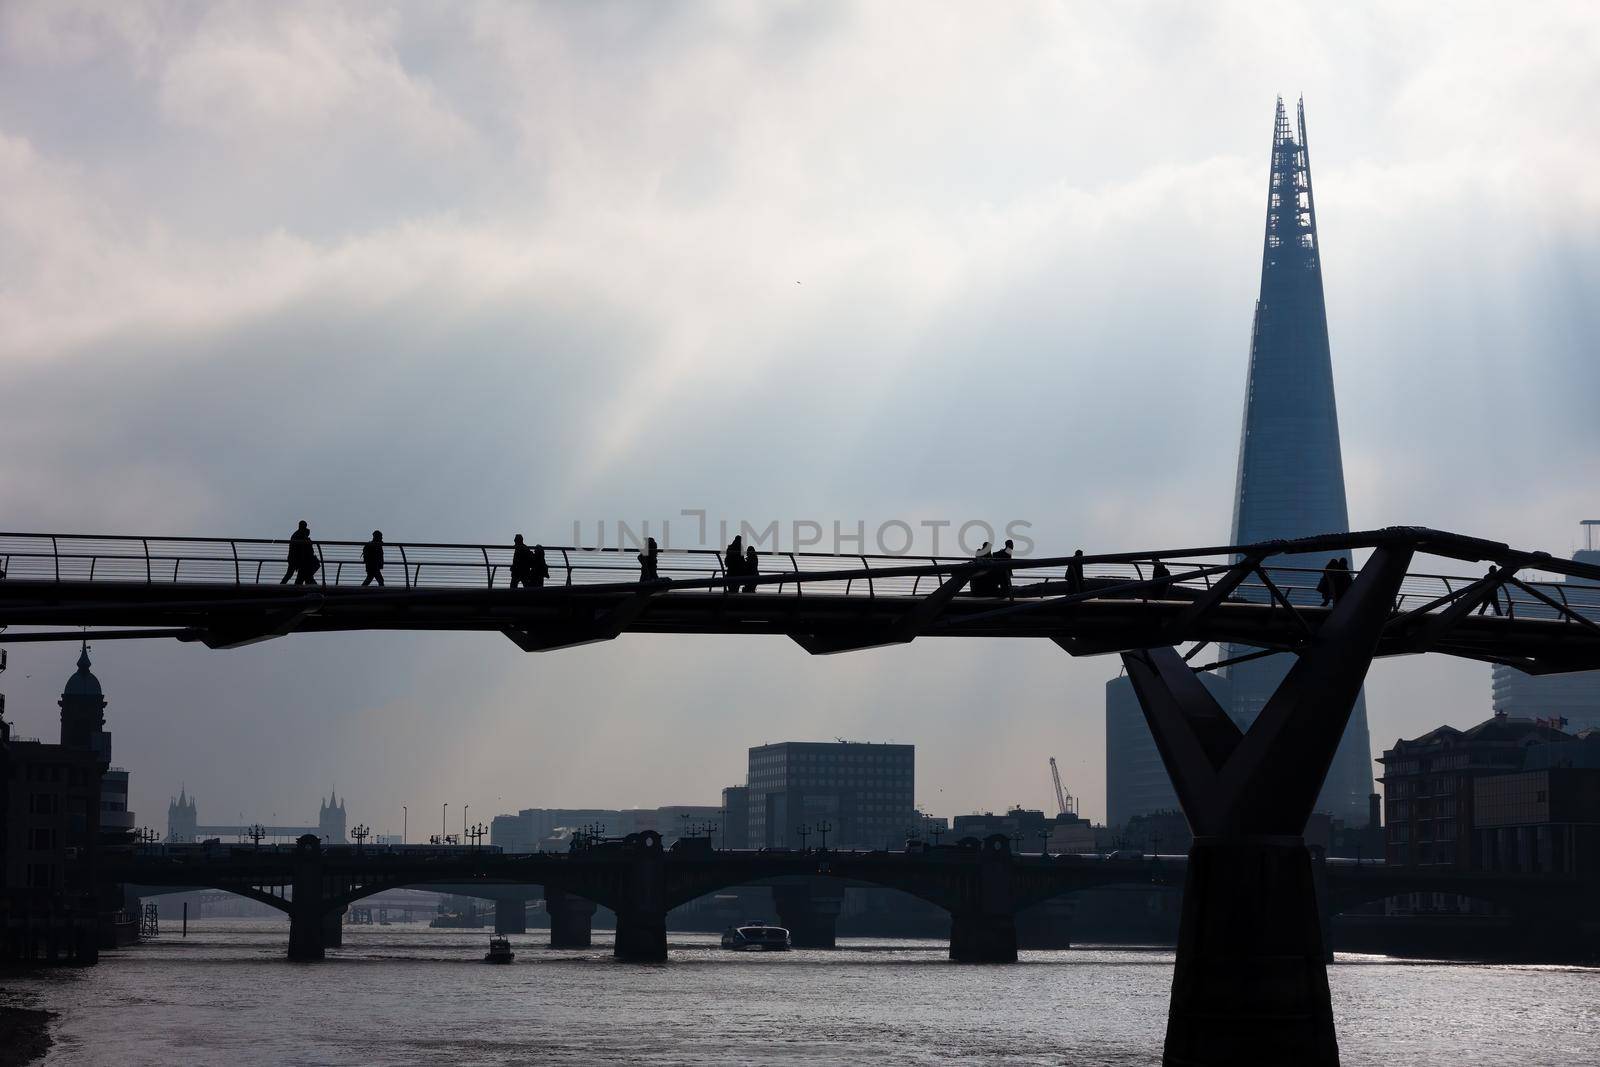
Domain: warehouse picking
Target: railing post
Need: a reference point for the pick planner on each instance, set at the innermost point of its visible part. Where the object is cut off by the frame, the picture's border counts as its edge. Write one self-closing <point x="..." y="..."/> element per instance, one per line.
<point x="566" y="561"/>
<point x="55" y="555"/>
<point x="487" y="570"/>
<point x="871" y="592"/>
<point x="233" y="546"/>
<point x="148" y="577"/>
<point x="405" y="565"/>
<point x="799" y="586"/>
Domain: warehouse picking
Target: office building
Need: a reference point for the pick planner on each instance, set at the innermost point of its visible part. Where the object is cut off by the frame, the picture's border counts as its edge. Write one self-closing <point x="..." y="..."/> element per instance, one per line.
<point x="855" y="795"/>
<point x="735" y="817"/>
<point x="1291" y="475"/>
<point x="1136" y="779"/>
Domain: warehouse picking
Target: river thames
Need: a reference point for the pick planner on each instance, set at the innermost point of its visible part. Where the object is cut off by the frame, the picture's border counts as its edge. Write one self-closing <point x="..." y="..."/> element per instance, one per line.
<point x="407" y="994"/>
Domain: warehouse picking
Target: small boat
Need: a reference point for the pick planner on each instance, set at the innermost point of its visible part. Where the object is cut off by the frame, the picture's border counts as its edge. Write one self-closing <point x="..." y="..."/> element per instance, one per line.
<point x="756" y="937"/>
<point x="499" y="951"/>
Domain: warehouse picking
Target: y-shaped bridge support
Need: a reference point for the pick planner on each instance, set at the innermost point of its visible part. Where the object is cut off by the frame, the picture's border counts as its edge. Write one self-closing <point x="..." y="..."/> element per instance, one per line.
<point x="1251" y="980"/>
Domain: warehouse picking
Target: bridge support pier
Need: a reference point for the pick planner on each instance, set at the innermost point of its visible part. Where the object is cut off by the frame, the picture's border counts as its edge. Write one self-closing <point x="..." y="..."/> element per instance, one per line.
<point x="571" y="918"/>
<point x="1250" y="984"/>
<point x="305" y="904"/>
<point x="810" y="911"/>
<point x="641" y="906"/>
<point x="983" y="926"/>
<point x="333" y="928"/>
<point x="510" y="915"/>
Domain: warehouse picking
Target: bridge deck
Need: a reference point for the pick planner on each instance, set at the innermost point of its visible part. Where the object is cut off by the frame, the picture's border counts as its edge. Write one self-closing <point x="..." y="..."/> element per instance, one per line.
<point x="226" y="592"/>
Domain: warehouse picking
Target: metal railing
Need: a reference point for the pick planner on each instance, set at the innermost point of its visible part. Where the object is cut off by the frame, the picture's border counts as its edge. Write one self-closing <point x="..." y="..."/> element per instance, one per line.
<point x="256" y="562"/>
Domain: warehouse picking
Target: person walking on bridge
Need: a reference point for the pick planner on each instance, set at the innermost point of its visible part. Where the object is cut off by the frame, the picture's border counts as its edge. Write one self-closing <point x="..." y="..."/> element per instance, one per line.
<point x="647" y="561"/>
<point x="1492" y="601"/>
<point x="1002" y="579"/>
<point x="521" y="563"/>
<point x="541" y="569"/>
<point x="1075" y="573"/>
<point x="372" y="559"/>
<point x="1163" y="579"/>
<point x="752" y="567"/>
<point x="733" y="562"/>
<point x="302" y="561"/>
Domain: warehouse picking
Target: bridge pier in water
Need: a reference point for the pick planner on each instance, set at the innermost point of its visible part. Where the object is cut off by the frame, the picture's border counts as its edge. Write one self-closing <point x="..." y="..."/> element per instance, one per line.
<point x="641" y="901"/>
<point x="510" y="915"/>
<point x="571" y="918"/>
<point x="983" y="925"/>
<point x="306" y="928"/>
<point x="810" y="911"/>
<point x="1250" y="984"/>
<point x="333" y="928"/>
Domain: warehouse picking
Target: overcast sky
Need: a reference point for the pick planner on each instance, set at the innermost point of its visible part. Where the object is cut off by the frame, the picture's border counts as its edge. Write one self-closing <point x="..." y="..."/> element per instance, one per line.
<point x="461" y="271"/>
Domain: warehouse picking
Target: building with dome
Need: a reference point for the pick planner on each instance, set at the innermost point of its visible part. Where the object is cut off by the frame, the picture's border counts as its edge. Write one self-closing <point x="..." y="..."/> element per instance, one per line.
<point x="58" y="808"/>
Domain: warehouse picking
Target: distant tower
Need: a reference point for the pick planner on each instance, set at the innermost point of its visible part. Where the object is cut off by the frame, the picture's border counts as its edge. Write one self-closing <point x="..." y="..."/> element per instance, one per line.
<point x="330" y="820"/>
<point x="183" y="820"/>
<point x="83" y="711"/>
<point x="1291" y="476"/>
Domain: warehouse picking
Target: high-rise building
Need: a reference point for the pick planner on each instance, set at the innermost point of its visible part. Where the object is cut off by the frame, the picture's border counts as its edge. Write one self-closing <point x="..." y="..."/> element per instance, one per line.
<point x="735" y="817"/>
<point x="1291" y="476"/>
<point x="1136" y="779"/>
<point x="1573" y="697"/>
<point x="862" y="793"/>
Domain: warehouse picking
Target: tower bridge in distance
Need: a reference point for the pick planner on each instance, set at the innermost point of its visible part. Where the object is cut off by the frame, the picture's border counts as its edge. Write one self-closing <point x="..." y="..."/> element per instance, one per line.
<point x="1250" y="980"/>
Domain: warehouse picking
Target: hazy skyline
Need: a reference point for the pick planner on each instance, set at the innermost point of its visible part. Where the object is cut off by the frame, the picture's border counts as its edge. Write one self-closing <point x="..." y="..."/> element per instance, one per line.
<point x="460" y="273"/>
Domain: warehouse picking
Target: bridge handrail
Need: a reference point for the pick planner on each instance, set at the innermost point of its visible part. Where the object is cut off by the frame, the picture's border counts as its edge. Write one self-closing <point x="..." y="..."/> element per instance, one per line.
<point x="245" y="561"/>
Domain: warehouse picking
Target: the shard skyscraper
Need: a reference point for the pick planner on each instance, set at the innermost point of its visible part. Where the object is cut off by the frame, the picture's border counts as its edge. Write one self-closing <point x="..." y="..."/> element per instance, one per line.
<point x="1291" y="477"/>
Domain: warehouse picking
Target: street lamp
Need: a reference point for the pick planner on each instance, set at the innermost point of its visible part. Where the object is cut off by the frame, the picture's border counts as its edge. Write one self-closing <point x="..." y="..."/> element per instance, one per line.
<point x="257" y="832"/>
<point x="443" y="829"/>
<point x="464" y="809"/>
<point x="361" y="833"/>
<point x="405" y="821"/>
<point x="822" y="828"/>
<point x="804" y="831"/>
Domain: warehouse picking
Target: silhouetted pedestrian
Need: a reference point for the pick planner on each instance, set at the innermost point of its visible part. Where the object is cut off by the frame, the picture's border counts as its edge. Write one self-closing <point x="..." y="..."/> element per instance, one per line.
<point x="372" y="558"/>
<point x="540" y="570"/>
<point x="1002" y="578"/>
<point x="1163" y="579"/>
<point x="1346" y="578"/>
<point x="647" y="561"/>
<point x="302" y="561"/>
<point x="521" y="563"/>
<point x="752" y="567"/>
<point x="733" y="562"/>
<point x="1493" y="601"/>
<point x="1328" y="585"/>
<point x="1075" y="573"/>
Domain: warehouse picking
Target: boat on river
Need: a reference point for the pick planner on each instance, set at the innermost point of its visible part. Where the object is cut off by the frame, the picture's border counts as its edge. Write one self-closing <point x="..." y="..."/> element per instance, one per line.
<point x="499" y="951"/>
<point x="755" y="937"/>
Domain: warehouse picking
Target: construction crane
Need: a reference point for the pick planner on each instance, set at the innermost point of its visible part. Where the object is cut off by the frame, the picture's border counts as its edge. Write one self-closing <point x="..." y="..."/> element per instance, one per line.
<point x="1066" y="803"/>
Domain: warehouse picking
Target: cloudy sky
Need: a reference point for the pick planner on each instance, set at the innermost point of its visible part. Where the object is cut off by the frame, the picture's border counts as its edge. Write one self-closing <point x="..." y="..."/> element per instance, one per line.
<point x="461" y="271"/>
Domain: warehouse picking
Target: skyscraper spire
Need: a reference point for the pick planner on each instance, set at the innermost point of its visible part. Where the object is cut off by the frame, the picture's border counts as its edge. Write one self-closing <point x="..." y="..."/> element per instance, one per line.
<point x="1291" y="474"/>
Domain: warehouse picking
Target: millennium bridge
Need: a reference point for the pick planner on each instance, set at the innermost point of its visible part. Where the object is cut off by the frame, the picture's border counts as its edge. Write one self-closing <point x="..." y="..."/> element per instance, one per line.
<point x="1250" y="980"/>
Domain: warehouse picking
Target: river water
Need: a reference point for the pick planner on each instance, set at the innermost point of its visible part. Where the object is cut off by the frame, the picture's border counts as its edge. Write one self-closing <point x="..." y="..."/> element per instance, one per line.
<point x="407" y="994"/>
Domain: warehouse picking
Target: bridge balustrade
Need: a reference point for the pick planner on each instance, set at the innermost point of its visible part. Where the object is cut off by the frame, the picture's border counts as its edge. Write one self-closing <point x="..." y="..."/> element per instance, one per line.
<point x="245" y="562"/>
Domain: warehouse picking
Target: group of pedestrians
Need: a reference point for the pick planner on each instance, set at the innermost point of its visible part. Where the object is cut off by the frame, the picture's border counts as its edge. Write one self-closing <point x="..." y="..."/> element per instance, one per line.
<point x="528" y="567"/>
<point x="1337" y="579"/>
<point x="739" y="561"/>
<point x="995" y="582"/>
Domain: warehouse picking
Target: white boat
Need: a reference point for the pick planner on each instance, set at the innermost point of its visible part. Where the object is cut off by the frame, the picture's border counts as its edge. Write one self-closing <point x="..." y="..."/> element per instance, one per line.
<point x="756" y="937"/>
